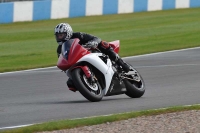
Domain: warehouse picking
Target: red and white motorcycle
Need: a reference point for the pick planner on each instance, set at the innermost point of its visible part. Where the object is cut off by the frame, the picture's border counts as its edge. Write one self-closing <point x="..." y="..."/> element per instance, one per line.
<point x="94" y="75"/>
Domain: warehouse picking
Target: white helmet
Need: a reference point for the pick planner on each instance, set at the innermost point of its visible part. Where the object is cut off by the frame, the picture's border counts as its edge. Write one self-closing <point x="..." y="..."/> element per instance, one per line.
<point x="63" y="32"/>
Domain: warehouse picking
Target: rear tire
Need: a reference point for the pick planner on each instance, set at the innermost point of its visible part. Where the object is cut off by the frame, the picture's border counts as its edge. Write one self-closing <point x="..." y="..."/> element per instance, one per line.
<point x="135" y="88"/>
<point x="92" y="92"/>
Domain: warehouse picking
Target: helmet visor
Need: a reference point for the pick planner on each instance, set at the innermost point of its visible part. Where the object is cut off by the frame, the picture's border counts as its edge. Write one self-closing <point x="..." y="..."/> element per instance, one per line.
<point x="60" y="37"/>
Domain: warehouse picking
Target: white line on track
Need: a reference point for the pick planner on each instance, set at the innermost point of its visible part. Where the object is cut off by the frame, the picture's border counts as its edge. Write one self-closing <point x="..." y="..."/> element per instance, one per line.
<point x="162" y="52"/>
<point x="11" y="127"/>
<point x="124" y="58"/>
<point x="29" y="70"/>
<point x="177" y="65"/>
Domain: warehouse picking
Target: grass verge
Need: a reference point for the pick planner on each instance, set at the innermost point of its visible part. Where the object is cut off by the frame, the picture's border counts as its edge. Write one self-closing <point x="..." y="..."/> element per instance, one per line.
<point x="67" y="124"/>
<point x="26" y="45"/>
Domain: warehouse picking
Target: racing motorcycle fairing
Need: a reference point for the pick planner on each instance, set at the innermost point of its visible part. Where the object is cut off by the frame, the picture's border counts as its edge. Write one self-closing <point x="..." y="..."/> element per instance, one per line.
<point x="95" y="60"/>
<point x="105" y="69"/>
<point x="116" y="87"/>
<point x="71" y="52"/>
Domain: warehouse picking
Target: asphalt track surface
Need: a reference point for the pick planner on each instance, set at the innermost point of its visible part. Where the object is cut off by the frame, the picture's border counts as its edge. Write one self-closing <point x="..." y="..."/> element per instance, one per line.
<point x="36" y="96"/>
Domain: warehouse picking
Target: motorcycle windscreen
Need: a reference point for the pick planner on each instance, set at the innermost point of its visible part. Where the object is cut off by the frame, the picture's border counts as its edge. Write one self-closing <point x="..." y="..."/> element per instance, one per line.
<point x="76" y="52"/>
<point x="63" y="63"/>
<point x="66" y="48"/>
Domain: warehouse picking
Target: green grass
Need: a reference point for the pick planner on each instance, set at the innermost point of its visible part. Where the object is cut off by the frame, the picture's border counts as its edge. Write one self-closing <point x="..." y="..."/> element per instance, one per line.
<point x="67" y="124"/>
<point x="26" y="45"/>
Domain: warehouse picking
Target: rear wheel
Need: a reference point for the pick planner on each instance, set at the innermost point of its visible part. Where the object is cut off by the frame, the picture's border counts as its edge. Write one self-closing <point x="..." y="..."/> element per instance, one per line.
<point x="90" y="90"/>
<point x="134" y="84"/>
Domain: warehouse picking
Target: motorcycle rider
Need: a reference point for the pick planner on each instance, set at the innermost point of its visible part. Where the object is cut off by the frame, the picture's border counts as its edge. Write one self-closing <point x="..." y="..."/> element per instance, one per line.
<point x="63" y="32"/>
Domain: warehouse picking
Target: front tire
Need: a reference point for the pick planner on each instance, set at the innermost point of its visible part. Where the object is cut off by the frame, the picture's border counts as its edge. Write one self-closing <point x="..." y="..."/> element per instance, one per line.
<point x="92" y="92"/>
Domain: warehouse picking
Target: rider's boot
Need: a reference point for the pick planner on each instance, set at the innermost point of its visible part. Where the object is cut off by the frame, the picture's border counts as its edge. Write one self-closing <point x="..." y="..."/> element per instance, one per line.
<point x="115" y="57"/>
<point x="105" y="47"/>
<point x="124" y="66"/>
<point x="70" y="85"/>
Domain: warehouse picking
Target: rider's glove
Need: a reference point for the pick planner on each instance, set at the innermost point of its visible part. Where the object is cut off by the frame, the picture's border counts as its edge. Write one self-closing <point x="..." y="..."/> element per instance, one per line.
<point x="92" y="44"/>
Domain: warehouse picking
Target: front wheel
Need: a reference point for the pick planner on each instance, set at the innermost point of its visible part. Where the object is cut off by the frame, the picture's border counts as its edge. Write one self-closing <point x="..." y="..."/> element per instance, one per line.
<point x="90" y="90"/>
<point x="134" y="84"/>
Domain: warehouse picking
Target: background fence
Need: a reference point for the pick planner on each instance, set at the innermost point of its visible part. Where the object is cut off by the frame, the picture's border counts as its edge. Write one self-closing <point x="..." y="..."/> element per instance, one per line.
<point x="55" y="9"/>
<point x="1" y="1"/>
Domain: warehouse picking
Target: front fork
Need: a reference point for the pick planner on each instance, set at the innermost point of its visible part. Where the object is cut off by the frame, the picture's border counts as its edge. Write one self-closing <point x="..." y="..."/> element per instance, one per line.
<point x="87" y="73"/>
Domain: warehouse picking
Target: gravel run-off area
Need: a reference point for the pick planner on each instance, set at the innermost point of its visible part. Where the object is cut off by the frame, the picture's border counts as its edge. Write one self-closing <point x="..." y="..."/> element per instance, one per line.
<point x="179" y="122"/>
